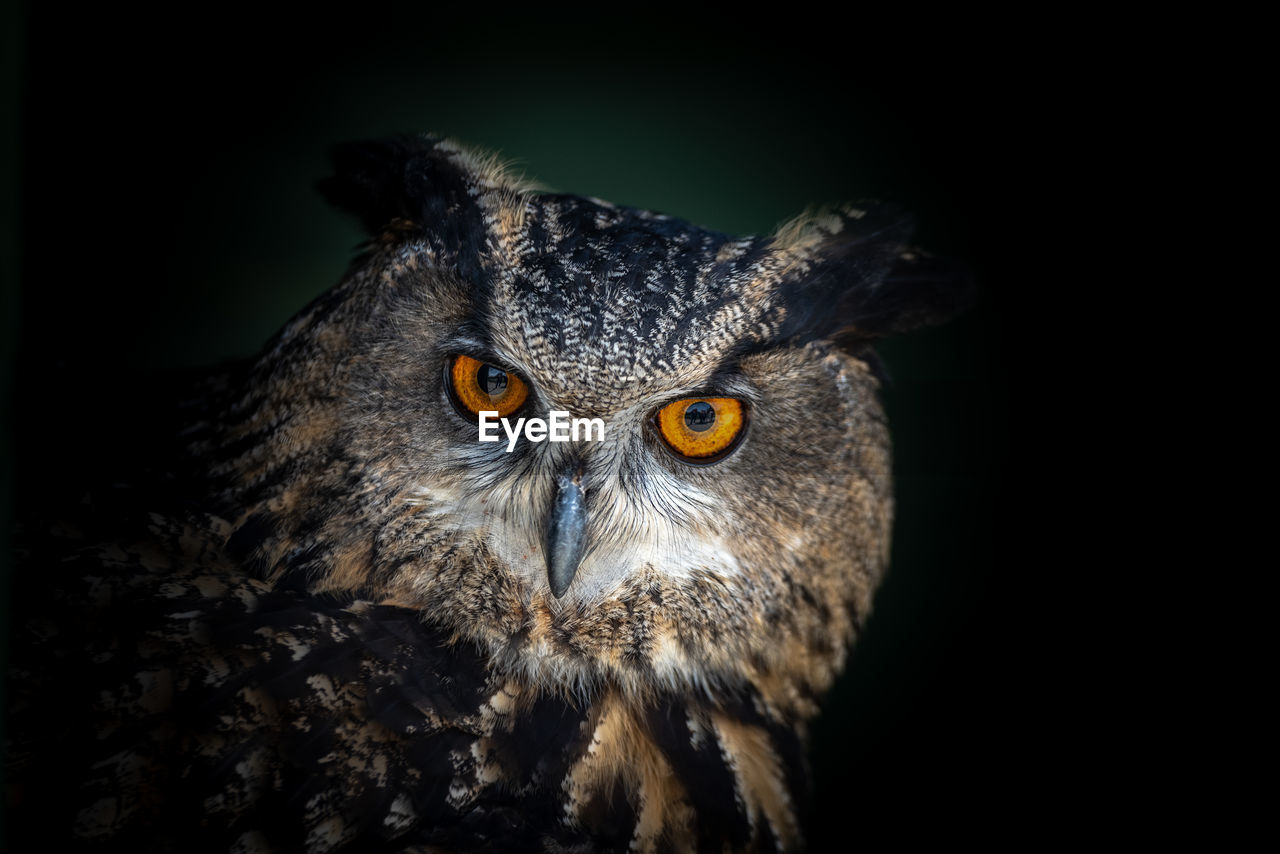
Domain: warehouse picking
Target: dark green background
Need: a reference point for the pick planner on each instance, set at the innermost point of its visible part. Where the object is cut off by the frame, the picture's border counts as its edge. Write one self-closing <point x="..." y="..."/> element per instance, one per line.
<point x="165" y="166"/>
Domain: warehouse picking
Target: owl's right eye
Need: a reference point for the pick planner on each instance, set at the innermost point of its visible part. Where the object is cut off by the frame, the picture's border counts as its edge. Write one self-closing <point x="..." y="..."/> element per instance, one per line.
<point x="476" y="387"/>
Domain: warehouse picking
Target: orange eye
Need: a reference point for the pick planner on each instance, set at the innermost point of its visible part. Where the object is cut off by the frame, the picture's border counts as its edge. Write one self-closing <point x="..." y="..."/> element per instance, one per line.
<point x="477" y="387"/>
<point x="702" y="429"/>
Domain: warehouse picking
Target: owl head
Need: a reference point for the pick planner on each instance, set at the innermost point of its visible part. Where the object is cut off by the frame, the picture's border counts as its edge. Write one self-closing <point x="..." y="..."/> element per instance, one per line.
<point x="723" y="521"/>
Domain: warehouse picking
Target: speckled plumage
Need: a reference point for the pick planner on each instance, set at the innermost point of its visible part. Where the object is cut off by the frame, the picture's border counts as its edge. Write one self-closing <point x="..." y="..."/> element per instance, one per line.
<point x="328" y="625"/>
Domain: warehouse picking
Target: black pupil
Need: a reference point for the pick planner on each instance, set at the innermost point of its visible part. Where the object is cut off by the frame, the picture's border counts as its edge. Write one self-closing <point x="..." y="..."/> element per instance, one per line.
<point x="700" y="416"/>
<point x="492" y="381"/>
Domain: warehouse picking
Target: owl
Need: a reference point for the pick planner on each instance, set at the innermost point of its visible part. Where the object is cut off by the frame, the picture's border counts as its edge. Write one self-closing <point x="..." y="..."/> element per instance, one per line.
<point x="546" y="529"/>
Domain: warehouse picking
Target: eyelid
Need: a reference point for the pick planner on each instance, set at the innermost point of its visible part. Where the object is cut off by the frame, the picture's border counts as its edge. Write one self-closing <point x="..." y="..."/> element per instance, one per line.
<point x="731" y="385"/>
<point x="485" y="358"/>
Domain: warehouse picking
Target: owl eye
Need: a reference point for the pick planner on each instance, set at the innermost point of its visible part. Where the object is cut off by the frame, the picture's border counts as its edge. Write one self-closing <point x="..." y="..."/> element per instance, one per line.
<point x="702" y="429"/>
<point x="475" y="386"/>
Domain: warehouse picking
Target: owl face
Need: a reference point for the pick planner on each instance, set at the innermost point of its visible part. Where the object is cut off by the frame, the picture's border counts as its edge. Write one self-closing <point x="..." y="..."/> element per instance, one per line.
<point x="728" y="525"/>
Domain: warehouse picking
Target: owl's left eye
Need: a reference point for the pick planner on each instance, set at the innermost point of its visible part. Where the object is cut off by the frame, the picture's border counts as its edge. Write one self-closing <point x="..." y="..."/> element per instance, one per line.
<point x="702" y="429"/>
<point x="476" y="386"/>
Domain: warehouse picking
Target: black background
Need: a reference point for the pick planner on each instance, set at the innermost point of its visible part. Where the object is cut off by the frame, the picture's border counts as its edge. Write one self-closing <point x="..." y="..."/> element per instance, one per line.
<point x="166" y="218"/>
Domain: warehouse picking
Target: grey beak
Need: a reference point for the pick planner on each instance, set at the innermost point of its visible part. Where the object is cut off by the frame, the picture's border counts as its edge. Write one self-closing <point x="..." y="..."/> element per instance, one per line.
<point x="566" y="531"/>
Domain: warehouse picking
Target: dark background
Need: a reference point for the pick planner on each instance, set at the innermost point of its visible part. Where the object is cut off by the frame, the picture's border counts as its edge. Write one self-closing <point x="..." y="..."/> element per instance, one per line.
<point x="161" y="194"/>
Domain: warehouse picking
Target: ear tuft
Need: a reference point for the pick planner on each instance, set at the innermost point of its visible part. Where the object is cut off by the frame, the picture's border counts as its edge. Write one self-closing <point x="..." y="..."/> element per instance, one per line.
<point x="429" y="189"/>
<point x="373" y="180"/>
<point x="422" y="180"/>
<point x="918" y="291"/>
<point x="847" y="274"/>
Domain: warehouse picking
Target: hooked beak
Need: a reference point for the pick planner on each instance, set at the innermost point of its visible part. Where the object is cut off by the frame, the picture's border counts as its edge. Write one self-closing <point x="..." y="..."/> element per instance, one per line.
<point x="566" y="529"/>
